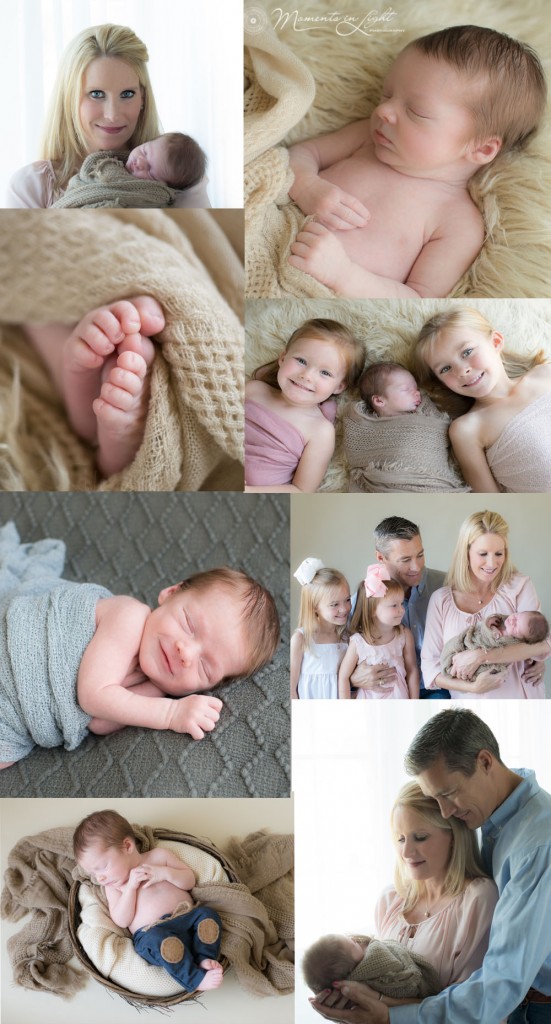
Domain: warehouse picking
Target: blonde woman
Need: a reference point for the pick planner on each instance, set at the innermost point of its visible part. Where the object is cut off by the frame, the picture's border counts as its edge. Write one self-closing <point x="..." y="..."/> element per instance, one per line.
<point x="102" y="100"/>
<point x="501" y="442"/>
<point x="482" y="581"/>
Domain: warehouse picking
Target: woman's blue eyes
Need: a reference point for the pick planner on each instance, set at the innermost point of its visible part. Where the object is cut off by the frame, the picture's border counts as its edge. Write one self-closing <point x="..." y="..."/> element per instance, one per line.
<point x="97" y="94"/>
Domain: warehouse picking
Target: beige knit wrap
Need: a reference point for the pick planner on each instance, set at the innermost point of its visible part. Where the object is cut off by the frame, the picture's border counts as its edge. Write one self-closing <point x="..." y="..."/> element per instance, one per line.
<point x="104" y="181"/>
<point x="477" y="636"/>
<point x="57" y="267"/>
<point x="396" y="971"/>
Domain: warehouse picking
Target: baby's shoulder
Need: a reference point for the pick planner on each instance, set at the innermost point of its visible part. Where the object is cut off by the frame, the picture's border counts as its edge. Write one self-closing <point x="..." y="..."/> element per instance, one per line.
<point x="121" y="610"/>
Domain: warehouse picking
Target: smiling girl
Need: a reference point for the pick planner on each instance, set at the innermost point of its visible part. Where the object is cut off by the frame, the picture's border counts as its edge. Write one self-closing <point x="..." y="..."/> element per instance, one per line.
<point x="501" y="443"/>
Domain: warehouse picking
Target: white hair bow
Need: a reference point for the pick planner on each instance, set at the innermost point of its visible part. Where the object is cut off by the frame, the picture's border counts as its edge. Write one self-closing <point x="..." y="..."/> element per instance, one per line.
<point x="307" y="570"/>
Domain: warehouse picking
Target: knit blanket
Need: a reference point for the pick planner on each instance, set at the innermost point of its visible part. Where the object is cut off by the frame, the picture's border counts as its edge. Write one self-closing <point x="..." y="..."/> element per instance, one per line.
<point x="390" y="968"/>
<point x="477" y="636"/>
<point x="58" y="268"/>
<point x="399" y="453"/>
<point x="104" y="181"/>
<point x="257" y="913"/>
<point x="316" y="75"/>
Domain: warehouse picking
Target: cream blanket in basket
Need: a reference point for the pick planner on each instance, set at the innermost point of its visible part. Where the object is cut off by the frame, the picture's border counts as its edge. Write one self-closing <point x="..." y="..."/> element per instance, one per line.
<point x="61" y="266"/>
<point x="399" y="453"/>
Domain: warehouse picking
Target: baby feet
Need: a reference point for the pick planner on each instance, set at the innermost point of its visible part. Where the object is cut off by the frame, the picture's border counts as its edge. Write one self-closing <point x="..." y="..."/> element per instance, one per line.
<point x="214" y="976"/>
<point x="104" y="377"/>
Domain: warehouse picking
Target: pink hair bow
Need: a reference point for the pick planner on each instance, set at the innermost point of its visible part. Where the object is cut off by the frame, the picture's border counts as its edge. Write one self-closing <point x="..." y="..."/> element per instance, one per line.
<point x="373" y="583"/>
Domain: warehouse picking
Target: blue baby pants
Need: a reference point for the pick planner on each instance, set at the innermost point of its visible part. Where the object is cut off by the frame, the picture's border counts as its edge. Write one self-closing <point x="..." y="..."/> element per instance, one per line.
<point x="179" y="941"/>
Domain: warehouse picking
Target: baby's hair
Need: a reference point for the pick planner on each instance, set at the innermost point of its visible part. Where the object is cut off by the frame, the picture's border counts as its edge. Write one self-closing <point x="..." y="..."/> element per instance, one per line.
<point x="186" y="162"/>
<point x="324" y="582"/>
<point x="473" y="527"/>
<point x="391" y="529"/>
<point x="509" y="89"/>
<point x="374" y="380"/>
<point x="465" y="861"/>
<point x="326" y="961"/>
<point x="538" y="628"/>
<point x="364" y="620"/>
<point x="107" y="827"/>
<point x="465" y="318"/>
<point x="322" y="329"/>
<point x="258" y="611"/>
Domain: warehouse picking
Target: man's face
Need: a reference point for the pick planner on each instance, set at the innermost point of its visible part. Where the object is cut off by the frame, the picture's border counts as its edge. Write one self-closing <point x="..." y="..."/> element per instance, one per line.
<point x="405" y="561"/>
<point x="471" y="798"/>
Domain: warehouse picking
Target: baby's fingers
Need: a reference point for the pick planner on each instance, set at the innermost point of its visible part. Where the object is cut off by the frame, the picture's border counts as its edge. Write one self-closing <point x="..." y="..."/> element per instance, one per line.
<point x="349" y="213"/>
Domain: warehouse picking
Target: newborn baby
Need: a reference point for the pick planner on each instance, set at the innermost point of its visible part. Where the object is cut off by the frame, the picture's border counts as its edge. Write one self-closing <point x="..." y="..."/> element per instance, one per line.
<point x="173" y="158"/>
<point x="395" y="439"/>
<point x="495" y="631"/>
<point x="387" y="966"/>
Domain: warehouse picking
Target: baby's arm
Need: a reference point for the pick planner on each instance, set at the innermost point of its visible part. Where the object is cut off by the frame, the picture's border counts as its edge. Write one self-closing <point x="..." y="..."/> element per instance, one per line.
<point x="122" y="901"/>
<point x="164" y="866"/>
<point x="410" y="663"/>
<point x="297" y="653"/>
<point x="348" y="664"/>
<point x="332" y="206"/>
<point x="106" y="663"/>
<point x="468" y="450"/>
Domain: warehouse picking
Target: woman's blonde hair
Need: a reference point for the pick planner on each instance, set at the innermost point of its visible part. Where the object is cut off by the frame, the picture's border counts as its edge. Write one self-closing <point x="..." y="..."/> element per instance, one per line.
<point x="464" y="862"/>
<point x="516" y="364"/>
<point x="474" y="526"/>
<point x="364" y="620"/>
<point x="325" y="582"/>
<point x="323" y="329"/>
<point x="63" y="139"/>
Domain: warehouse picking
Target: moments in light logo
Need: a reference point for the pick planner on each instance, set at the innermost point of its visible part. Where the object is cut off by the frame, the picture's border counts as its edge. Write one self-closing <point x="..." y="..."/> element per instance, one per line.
<point x="343" y="24"/>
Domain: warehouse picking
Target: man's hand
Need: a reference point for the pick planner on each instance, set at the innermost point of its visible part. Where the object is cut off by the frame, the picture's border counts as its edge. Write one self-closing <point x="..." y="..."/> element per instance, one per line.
<point x="354" y="1002"/>
<point x="319" y="253"/>
<point x="534" y="671"/>
<point x="374" y="677"/>
<point x="196" y="715"/>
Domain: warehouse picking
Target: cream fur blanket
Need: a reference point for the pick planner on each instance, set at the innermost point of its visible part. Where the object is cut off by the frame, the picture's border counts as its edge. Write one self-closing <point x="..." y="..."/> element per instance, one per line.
<point x="308" y="77"/>
<point x="104" y="181"/>
<point x="388" y="329"/>
<point x="61" y="266"/>
<point x="390" y="968"/>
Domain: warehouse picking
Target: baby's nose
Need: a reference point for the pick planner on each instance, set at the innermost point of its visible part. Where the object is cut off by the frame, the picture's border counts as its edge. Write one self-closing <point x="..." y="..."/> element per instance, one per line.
<point x="185" y="651"/>
<point x="386" y="111"/>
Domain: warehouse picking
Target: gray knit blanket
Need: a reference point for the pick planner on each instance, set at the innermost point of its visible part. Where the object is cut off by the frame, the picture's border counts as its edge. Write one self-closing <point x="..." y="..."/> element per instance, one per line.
<point x="400" y="453"/>
<point x="104" y="181"/>
<point x="473" y="639"/>
<point x="45" y="625"/>
<point x="390" y="968"/>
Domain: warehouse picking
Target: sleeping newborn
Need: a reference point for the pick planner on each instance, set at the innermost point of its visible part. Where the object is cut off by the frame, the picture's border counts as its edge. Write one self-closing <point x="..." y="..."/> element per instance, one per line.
<point x="384" y="965"/>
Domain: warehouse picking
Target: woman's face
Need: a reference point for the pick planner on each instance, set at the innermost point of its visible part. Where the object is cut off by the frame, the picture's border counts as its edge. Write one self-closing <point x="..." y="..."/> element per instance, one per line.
<point x="110" y="103"/>
<point x="424" y="848"/>
<point x="486" y="557"/>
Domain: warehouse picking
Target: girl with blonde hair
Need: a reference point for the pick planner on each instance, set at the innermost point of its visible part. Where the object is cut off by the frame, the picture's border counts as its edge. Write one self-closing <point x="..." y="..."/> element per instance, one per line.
<point x="102" y="100"/>
<point x="501" y="441"/>
<point x="319" y="644"/>
<point x="482" y="581"/>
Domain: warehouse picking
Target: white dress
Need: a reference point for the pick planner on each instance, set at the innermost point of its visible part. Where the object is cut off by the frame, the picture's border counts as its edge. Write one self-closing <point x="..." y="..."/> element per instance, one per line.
<point x="319" y="671"/>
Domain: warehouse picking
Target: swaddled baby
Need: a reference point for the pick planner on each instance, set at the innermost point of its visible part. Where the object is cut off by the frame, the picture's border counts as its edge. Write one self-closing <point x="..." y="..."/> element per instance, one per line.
<point x="386" y="966"/>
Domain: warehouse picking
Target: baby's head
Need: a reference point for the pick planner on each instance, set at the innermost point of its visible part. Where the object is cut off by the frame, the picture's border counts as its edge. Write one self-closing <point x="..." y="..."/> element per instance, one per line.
<point x="389" y="389"/>
<point x="174" y="159"/>
<point x="104" y="846"/>
<point x="216" y="625"/>
<point x="322" y="358"/>
<point x="529" y="626"/>
<point x="330" y="959"/>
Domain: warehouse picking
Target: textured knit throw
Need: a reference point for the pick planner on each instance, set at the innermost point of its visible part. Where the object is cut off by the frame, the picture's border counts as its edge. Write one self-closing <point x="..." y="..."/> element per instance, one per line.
<point x="399" y="453"/>
<point x="473" y="639"/>
<point x="390" y="968"/>
<point x="104" y="181"/>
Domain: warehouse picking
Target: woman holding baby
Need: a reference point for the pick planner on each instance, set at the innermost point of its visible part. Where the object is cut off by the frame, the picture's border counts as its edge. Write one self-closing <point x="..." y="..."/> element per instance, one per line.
<point x="102" y="100"/>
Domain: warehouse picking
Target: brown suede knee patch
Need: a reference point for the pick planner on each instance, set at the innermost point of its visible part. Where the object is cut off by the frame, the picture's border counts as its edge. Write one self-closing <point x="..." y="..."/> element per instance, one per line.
<point x="208" y="931"/>
<point x="172" y="949"/>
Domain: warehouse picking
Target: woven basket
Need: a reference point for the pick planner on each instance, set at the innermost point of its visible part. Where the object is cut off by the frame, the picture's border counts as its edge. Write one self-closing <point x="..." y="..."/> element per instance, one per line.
<point x="82" y="956"/>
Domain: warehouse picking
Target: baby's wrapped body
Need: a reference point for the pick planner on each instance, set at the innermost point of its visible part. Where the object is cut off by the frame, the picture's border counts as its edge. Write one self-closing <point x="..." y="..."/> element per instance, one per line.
<point x="46" y="623"/>
<point x="409" y="452"/>
<point x="479" y="635"/>
<point x="104" y="181"/>
<point x="390" y="968"/>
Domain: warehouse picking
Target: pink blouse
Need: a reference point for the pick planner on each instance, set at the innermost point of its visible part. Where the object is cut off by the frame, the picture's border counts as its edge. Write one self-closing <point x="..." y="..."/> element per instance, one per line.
<point x="454" y="940"/>
<point x="445" y="620"/>
<point x="32" y="187"/>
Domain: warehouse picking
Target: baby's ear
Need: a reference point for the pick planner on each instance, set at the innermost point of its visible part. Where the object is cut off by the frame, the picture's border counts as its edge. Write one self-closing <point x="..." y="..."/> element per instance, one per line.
<point x="486" y="151"/>
<point x="168" y="592"/>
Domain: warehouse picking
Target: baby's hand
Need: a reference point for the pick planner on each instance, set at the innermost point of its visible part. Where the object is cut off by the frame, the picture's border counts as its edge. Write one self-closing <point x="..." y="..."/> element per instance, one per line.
<point x="195" y="715"/>
<point x="319" y="253"/>
<point x="149" y="874"/>
<point x="332" y="207"/>
<point x="135" y="878"/>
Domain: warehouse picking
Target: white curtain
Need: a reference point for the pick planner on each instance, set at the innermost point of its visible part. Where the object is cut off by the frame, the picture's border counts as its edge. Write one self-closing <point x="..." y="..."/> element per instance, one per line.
<point x="347" y="770"/>
<point x="195" y="65"/>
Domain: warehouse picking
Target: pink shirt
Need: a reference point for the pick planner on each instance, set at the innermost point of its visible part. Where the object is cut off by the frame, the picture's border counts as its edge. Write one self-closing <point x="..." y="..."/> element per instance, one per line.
<point x="454" y="940"/>
<point x="445" y="620"/>
<point x="32" y="187"/>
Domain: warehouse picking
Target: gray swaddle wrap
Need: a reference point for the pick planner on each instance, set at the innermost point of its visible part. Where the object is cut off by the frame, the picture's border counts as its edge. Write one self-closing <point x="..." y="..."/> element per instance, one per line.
<point x="390" y="968"/>
<point x="46" y="623"/>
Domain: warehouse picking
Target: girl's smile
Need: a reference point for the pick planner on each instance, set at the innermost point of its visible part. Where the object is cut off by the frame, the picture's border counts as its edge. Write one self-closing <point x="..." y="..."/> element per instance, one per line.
<point x="468" y="362"/>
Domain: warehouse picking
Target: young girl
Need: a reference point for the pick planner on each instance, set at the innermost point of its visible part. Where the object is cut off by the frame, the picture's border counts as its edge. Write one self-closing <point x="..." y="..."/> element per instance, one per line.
<point x="501" y="442"/>
<point x="377" y="636"/>
<point x="288" y="439"/>
<point x="318" y="645"/>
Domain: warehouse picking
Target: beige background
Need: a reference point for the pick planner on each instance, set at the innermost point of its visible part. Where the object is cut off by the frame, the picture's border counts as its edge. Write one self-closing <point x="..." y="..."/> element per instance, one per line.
<point x="338" y="528"/>
<point x="213" y="818"/>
